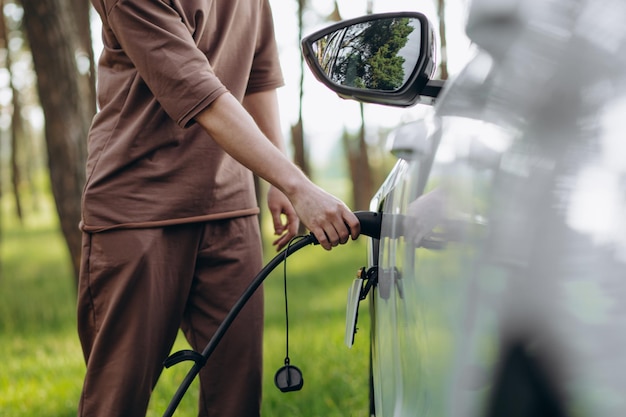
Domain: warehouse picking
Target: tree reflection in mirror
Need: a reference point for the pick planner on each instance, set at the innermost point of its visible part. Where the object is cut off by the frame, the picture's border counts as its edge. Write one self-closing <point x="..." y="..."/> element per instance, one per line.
<point x="378" y="55"/>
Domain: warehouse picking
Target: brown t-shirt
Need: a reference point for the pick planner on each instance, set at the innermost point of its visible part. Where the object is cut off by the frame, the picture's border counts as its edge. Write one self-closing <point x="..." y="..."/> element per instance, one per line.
<point x="163" y="62"/>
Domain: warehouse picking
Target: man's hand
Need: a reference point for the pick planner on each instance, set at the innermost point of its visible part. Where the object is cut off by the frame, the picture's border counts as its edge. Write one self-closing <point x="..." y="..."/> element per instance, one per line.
<point x="286" y="222"/>
<point x="327" y="217"/>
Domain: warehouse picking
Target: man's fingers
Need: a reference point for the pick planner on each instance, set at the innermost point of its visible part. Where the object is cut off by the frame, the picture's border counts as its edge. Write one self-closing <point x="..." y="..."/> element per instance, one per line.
<point x="281" y="242"/>
<point x="293" y="222"/>
<point x="278" y="222"/>
<point x="322" y="239"/>
<point x="353" y="224"/>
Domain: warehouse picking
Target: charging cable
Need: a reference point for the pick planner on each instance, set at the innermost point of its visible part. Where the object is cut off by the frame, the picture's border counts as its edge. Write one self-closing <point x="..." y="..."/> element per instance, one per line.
<point x="289" y="377"/>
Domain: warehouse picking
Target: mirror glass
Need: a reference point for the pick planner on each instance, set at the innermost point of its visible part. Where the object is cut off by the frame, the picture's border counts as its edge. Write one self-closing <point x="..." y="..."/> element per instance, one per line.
<point x="375" y="55"/>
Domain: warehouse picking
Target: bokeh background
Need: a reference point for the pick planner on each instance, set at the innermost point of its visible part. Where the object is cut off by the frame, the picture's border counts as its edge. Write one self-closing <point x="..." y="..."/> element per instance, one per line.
<point x="47" y="79"/>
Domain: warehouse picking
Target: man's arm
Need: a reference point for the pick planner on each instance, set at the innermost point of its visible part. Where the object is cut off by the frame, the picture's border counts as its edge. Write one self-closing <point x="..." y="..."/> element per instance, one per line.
<point x="264" y="109"/>
<point x="234" y="129"/>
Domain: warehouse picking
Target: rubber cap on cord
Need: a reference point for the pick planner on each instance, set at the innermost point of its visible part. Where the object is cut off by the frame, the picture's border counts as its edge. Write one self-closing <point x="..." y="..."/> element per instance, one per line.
<point x="289" y="378"/>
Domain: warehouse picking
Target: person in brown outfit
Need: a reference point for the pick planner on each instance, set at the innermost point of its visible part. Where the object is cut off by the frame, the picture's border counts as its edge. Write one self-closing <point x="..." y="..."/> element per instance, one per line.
<point x="187" y="111"/>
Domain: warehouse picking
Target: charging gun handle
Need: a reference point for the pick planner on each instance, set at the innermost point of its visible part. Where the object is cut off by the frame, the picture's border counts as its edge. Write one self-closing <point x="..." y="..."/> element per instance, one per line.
<point x="371" y="223"/>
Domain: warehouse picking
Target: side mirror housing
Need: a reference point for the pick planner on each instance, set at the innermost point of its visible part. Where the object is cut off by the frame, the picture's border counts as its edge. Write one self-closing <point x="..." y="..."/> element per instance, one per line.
<point x="386" y="58"/>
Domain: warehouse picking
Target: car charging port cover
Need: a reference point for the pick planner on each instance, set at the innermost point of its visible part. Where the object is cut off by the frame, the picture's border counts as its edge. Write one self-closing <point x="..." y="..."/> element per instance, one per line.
<point x="289" y="378"/>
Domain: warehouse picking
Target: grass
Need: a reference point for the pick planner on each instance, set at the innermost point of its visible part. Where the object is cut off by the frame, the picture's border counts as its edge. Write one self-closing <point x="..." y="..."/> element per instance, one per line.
<point x="42" y="368"/>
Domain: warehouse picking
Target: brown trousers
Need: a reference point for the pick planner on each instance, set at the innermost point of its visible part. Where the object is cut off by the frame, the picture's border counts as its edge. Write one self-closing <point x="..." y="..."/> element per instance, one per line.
<point x="138" y="287"/>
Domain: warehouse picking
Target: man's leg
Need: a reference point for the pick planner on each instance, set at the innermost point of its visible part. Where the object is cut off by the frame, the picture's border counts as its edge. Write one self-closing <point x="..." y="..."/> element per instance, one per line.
<point x="228" y="260"/>
<point x="132" y="292"/>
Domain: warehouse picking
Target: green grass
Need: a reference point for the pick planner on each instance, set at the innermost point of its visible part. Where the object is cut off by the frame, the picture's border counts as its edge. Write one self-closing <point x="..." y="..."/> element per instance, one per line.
<point x="42" y="368"/>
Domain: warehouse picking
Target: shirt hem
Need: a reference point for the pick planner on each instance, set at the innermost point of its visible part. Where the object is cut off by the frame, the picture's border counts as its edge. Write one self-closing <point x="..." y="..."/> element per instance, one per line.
<point x="171" y="222"/>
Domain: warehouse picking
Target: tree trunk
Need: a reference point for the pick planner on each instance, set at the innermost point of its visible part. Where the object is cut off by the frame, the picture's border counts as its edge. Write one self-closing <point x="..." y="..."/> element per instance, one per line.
<point x="297" y="131"/>
<point x="300" y="157"/>
<point x="363" y="183"/>
<point x="16" y="120"/>
<point x="17" y="130"/>
<point x="81" y="16"/>
<point x="359" y="167"/>
<point x="443" y="67"/>
<point x="68" y="112"/>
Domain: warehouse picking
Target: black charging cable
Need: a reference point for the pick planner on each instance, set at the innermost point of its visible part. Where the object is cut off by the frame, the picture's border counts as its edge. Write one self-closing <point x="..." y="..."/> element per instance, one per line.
<point x="286" y="302"/>
<point x="199" y="359"/>
<point x="288" y="378"/>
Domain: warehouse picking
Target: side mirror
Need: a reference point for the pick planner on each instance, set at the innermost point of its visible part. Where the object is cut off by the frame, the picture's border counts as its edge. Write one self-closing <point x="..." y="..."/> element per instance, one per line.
<point x="386" y="58"/>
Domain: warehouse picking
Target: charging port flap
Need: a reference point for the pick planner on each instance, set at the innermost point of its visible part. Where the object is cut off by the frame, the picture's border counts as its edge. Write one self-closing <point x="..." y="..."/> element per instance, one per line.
<point x="358" y="291"/>
<point x="352" y="310"/>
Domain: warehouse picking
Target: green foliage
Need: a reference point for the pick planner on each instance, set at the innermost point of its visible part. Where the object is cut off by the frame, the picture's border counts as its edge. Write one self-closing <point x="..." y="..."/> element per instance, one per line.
<point x="42" y="364"/>
<point x="42" y="368"/>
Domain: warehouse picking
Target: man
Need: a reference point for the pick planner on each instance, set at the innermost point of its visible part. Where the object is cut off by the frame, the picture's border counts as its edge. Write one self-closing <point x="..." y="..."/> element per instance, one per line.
<point x="186" y="90"/>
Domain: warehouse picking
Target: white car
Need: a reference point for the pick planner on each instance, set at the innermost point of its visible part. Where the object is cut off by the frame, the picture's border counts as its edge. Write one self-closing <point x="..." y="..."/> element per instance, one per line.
<point x="498" y="284"/>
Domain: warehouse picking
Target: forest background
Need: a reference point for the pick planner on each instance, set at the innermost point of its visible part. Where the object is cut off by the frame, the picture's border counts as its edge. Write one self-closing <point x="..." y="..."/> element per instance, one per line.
<point x="48" y="50"/>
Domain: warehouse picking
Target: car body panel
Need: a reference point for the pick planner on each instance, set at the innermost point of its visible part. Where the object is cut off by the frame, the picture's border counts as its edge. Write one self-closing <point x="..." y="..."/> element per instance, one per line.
<point x="501" y="264"/>
<point x="523" y="197"/>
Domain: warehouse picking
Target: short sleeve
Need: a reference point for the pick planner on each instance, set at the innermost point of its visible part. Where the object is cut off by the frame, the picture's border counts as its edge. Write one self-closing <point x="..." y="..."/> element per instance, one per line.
<point x="161" y="48"/>
<point x="266" y="72"/>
